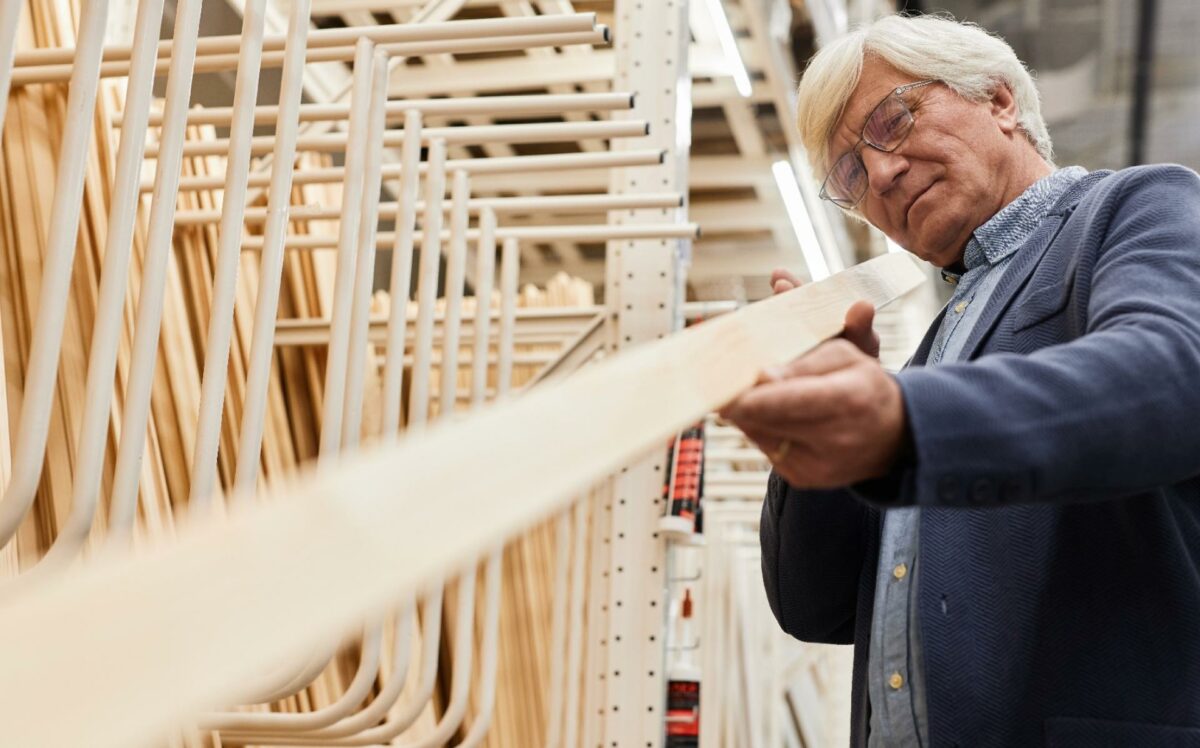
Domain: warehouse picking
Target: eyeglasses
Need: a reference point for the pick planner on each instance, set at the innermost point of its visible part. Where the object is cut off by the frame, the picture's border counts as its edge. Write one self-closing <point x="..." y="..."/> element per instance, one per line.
<point x="888" y="125"/>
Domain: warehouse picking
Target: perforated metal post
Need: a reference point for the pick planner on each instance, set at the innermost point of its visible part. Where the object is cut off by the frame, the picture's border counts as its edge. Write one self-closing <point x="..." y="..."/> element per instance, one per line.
<point x="643" y="292"/>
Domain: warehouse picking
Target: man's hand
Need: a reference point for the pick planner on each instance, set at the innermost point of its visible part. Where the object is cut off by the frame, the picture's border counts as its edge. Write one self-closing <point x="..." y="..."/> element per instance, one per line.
<point x="830" y="418"/>
<point x="859" y="319"/>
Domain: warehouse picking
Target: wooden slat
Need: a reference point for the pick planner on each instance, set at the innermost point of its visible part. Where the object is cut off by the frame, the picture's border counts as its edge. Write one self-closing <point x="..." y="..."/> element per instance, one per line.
<point x="230" y="598"/>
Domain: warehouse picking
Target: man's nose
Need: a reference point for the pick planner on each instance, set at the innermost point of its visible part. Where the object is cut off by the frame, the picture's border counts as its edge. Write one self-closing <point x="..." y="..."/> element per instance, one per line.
<point x="883" y="169"/>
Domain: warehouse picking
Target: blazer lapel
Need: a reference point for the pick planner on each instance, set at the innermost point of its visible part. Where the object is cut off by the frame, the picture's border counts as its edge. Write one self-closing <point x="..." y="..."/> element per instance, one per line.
<point x="1027" y="258"/>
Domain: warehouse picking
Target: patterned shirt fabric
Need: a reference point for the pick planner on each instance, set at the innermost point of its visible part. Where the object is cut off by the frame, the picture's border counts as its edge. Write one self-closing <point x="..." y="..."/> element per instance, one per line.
<point x="895" y="677"/>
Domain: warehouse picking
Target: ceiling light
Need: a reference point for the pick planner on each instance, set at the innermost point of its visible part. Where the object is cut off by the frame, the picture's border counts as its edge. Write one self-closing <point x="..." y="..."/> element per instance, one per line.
<point x="733" y="56"/>
<point x="806" y="236"/>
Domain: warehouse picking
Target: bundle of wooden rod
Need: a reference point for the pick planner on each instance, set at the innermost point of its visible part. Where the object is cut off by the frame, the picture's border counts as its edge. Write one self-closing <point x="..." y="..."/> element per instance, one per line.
<point x="187" y="314"/>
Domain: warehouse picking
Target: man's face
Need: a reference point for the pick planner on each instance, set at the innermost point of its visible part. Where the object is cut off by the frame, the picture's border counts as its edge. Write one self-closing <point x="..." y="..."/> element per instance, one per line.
<point x="946" y="179"/>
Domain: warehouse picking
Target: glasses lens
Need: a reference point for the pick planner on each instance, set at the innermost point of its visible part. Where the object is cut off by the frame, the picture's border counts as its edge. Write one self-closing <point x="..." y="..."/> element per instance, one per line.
<point x="847" y="180"/>
<point x="888" y="125"/>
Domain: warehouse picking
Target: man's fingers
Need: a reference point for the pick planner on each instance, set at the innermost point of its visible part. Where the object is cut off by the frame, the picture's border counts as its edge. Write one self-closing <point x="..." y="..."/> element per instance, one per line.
<point x="828" y="357"/>
<point x="767" y="442"/>
<point x="783" y="281"/>
<point x="859" y="331"/>
<point x="777" y="406"/>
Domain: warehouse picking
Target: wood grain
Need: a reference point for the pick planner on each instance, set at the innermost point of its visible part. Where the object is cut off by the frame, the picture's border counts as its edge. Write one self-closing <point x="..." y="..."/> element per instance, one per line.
<point x="293" y="568"/>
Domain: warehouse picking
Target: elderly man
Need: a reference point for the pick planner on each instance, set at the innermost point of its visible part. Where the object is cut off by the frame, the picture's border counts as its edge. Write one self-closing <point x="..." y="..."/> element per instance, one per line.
<point x="1009" y="529"/>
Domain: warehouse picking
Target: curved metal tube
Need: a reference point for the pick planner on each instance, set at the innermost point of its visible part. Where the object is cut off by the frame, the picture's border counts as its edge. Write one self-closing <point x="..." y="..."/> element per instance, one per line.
<point x="110" y="305"/>
<point x="460" y="682"/>
<point x="558" y="629"/>
<point x="123" y="508"/>
<point x="250" y="444"/>
<point x="41" y="373"/>
<point x="491" y="647"/>
<point x="401" y="277"/>
<point x="10" y="17"/>
<point x="368" y="666"/>
<point x="575" y="624"/>
<point x="229" y="253"/>
<point x="262" y="341"/>
<point x="365" y="267"/>
<point x="352" y="195"/>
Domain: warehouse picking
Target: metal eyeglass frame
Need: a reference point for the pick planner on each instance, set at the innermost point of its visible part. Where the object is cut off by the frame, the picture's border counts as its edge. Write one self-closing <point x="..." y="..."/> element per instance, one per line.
<point x="856" y="151"/>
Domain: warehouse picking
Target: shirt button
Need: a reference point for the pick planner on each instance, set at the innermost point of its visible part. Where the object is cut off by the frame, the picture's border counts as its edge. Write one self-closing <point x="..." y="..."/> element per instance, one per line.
<point x="900" y="571"/>
<point x="896" y="681"/>
<point x="961" y="307"/>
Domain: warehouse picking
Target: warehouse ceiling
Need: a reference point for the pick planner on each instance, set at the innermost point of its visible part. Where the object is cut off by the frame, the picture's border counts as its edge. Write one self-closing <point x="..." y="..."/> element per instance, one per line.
<point x="739" y="134"/>
<point x="1083" y="52"/>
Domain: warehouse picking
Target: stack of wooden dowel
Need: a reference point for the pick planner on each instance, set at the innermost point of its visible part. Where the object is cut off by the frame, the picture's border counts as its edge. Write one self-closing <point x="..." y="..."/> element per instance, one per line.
<point x="190" y="311"/>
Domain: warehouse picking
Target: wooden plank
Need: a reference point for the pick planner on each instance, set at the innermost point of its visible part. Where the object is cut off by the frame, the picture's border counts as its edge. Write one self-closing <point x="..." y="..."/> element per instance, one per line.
<point x="293" y="570"/>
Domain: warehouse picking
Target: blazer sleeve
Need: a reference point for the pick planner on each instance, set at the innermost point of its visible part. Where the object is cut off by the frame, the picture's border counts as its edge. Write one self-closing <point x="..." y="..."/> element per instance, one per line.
<point x="1112" y="413"/>
<point x="813" y="546"/>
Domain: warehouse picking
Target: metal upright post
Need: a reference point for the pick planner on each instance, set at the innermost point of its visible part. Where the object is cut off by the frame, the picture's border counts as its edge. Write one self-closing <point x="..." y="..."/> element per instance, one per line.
<point x="644" y="295"/>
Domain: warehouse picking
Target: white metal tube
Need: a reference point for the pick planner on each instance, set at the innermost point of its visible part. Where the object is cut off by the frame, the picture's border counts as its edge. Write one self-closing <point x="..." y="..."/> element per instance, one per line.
<point x="401" y="276"/>
<point x="262" y="346"/>
<point x="579" y="233"/>
<point x="427" y="282"/>
<point x="379" y="706"/>
<point x="484" y="283"/>
<point x="123" y="507"/>
<point x="222" y="62"/>
<point x="485" y="280"/>
<point x="456" y="271"/>
<point x="359" y="688"/>
<point x="340" y="37"/>
<point x="349" y="731"/>
<point x="542" y="132"/>
<point x="352" y="731"/>
<point x="401" y="272"/>
<point x="474" y="166"/>
<point x="229" y="237"/>
<point x="558" y="630"/>
<point x="339" y="340"/>
<point x="510" y="268"/>
<point x="368" y="666"/>
<point x="494" y="106"/>
<point x="365" y="264"/>
<point x="41" y="374"/>
<point x="419" y="408"/>
<point x="490" y="654"/>
<point x="262" y="341"/>
<point x="575" y="621"/>
<point x="460" y="682"/>
<point x="106" y="328"/>
<point x="10" y="16"/>
<point x="589" y="203"/>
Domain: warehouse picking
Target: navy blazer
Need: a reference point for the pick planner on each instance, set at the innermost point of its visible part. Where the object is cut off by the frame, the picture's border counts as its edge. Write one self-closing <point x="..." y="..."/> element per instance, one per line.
<point x="1058" y="471"/>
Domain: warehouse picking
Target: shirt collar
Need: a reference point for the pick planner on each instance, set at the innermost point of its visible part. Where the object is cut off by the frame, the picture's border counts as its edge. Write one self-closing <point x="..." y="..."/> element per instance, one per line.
<point x="1004" y="232"/>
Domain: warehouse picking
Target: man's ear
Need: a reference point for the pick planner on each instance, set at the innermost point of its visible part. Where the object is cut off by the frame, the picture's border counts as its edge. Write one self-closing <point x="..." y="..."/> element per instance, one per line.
<point x="1004" y="108"/>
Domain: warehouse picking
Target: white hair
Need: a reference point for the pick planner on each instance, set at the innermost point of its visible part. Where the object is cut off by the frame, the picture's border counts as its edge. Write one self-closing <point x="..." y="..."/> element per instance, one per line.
<point x="969" y="60"/>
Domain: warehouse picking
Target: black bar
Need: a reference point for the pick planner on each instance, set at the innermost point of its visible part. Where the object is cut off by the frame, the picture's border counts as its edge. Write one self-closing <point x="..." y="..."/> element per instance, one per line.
<point x="1143" y="78"/>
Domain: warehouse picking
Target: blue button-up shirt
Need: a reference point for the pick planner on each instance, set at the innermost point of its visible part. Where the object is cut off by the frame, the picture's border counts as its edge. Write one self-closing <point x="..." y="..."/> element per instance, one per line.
<point x="895" y="677"/>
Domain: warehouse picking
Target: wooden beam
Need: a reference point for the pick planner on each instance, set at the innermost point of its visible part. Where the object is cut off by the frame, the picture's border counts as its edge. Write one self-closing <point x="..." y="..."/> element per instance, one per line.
<point x="350" y="540"/>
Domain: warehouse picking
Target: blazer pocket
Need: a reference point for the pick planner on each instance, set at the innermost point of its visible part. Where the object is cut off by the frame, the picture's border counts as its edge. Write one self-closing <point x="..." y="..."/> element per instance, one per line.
<point x="1077" y="732"/>
<point x="1039" y="305"/>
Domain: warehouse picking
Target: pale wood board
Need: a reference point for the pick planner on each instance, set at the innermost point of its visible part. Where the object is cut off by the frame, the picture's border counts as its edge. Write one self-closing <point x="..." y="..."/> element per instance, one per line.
<point x="293" y="569"/>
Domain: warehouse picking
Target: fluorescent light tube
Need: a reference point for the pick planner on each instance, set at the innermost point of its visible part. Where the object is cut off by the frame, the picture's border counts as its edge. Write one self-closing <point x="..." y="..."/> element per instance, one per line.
<point x="733" y="56"/>
<point x="806" y="235"/>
